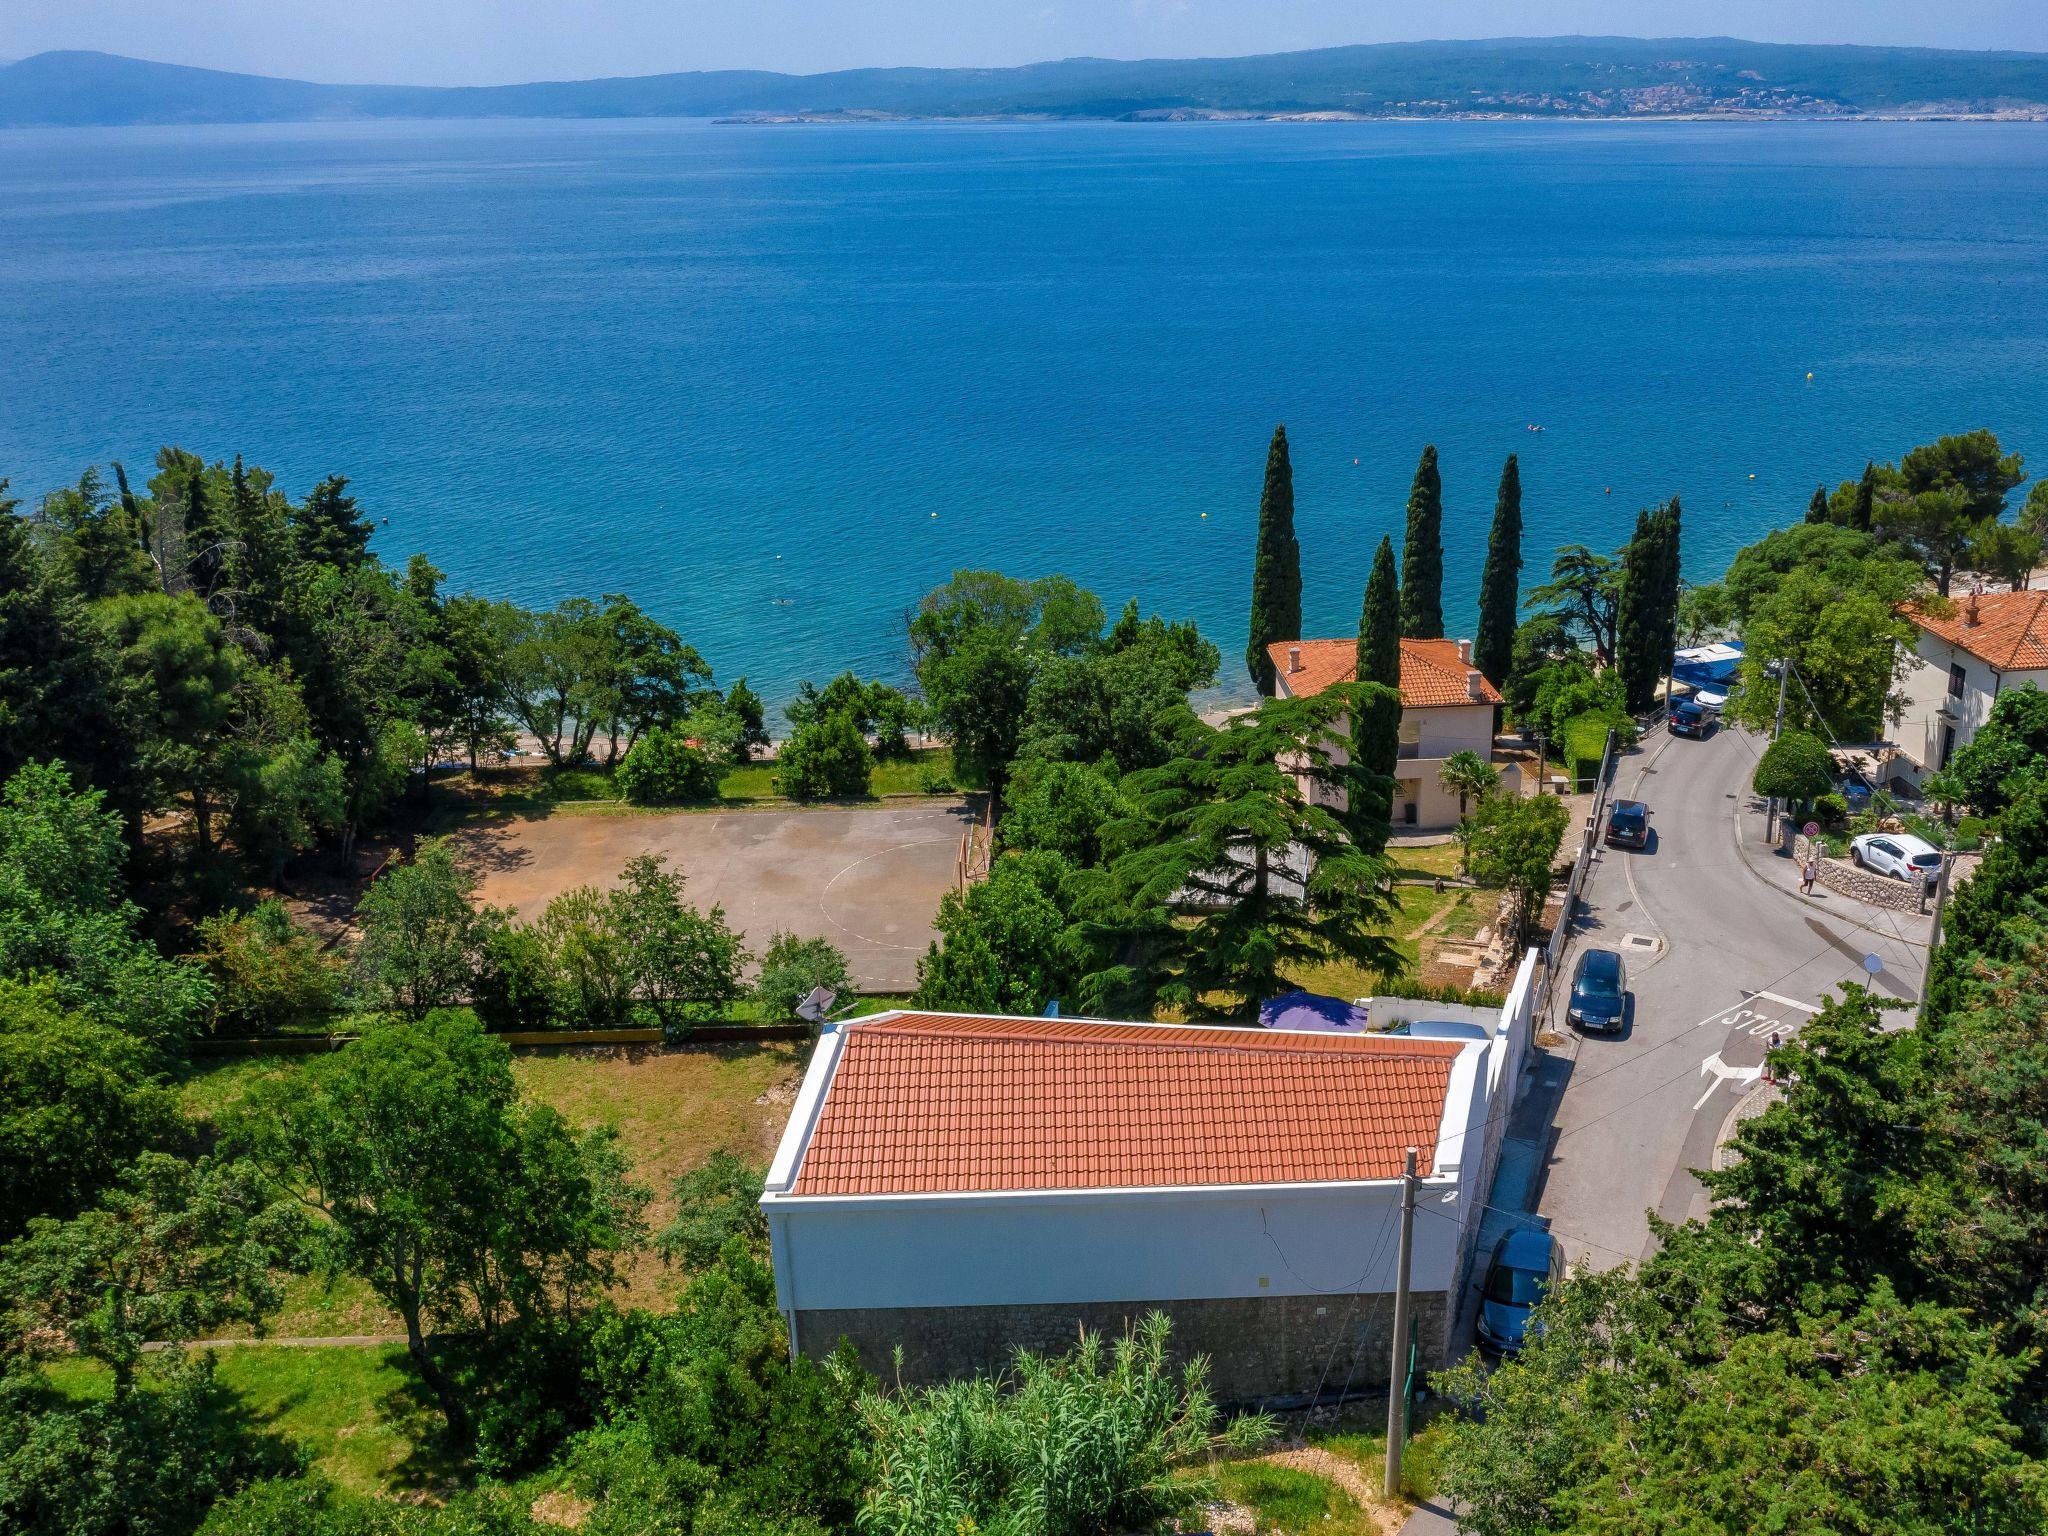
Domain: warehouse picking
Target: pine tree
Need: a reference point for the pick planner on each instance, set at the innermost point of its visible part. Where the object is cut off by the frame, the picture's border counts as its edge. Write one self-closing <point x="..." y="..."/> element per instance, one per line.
<point x="1817" y="508"/>
<point x="329" y="529"/>
<point x="1376" y="722"/>
<point x="1276" y="567"/>
<point x="1500" y="583"/>
<point x="1422" y="556"/>
<point x="1635" y="619"/>
<point x="1866" y="499"/>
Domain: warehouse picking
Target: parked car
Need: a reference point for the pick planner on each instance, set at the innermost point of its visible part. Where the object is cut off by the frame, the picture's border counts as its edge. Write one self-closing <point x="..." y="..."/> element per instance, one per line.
<point x="1526" y="1264"/>
<point x="1899" y="854"/>
<point x="1599" y="997"/>
<point x="1628" y="825"/>
<point x="1690" y="718"/>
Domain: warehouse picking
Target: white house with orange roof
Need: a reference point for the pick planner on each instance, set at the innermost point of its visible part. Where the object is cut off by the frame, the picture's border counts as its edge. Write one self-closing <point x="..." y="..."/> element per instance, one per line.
<point x="1447" y="706"/>
<point x="1966" y="653"/>
<point x="959" y="1187"/>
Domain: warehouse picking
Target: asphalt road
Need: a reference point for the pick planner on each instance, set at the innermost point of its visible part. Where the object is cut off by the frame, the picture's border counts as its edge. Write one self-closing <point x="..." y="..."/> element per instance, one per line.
<point x="1733" y="954"/>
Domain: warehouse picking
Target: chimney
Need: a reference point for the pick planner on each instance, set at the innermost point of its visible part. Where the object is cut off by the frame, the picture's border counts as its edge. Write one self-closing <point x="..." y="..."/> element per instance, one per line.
<point x="1475" y="685"/>
<point x="1970" y="619"/>
<point x="1464" y="653"/>
<point x="1294" y="658"/>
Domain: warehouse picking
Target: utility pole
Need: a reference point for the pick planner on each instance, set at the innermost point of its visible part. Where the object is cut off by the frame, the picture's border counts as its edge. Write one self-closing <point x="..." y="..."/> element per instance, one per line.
<point x="1397" y="1382"/>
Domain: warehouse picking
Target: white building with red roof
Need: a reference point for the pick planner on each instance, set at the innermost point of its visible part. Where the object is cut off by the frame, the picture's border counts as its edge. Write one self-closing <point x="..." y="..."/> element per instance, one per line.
<point x="959" y="1187"/>
<point x="1447" y="706"/>
<point x="1967" y="652"/>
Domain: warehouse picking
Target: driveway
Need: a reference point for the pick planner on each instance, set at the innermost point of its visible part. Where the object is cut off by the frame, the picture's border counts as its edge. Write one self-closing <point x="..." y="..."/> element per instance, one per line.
<point x="1722" y="953"/>
<point x="867" y="878"/>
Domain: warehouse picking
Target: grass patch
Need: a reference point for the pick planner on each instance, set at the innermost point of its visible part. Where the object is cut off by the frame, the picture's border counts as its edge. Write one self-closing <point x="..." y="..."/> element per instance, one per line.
<point x="1440" y="860"/>
<point x="1415" y="905"/>
<point x="672" y="1108"/>
<point x="1288" y="1500"/>
<point x="358" y="1412"/>
<point x="892" y="776"/>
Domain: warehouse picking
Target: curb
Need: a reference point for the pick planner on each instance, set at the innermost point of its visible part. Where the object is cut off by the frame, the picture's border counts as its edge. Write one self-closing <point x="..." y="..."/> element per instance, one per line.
<point x="1748" y="859"/>
<point x="1750" y="1105"/>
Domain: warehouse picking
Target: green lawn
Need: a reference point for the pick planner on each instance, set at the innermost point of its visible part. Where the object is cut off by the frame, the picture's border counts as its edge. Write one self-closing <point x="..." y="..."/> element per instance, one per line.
<point x="1425" y="863"/>
<point x="530" y="791"/>
<point x="1415" y="906"/>
<point x="1290" y="1501"/>
<point x="672" y="1108"/>
<point x="358" y="1412"/>
<point x="892" y="776"/>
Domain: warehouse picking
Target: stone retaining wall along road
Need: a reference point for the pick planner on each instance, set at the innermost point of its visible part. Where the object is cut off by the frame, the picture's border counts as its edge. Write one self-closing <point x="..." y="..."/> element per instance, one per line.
<point x="1845" y="879"/>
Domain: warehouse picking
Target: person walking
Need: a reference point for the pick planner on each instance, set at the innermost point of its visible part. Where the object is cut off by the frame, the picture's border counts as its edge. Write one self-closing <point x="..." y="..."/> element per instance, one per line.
<point x="1808" y="874"/>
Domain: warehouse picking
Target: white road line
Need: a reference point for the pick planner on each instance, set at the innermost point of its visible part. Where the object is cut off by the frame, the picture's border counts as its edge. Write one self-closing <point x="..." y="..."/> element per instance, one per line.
<point x="1789" y="1002"/>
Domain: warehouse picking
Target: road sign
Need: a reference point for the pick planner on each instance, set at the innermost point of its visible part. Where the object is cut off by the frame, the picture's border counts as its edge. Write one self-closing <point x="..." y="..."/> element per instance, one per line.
<point x="1811" y="829"/>
<point x="1873" y="964"/>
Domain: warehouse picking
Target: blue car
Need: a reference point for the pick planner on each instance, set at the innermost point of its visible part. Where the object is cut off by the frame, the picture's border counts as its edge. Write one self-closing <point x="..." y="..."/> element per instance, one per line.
<point x="1599" y="997"/>
<point x="1526" y="1265"/>
<point x="1690" y="719"/>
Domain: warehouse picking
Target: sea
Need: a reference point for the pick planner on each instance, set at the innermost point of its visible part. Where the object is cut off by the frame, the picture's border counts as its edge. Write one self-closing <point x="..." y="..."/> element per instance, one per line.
<point x="776" y="382"/>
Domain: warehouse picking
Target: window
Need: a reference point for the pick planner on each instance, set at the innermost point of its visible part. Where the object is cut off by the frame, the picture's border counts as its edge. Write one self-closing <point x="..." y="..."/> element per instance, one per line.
<point x="1956" y="679"/>
<point x="1948" y="745"/>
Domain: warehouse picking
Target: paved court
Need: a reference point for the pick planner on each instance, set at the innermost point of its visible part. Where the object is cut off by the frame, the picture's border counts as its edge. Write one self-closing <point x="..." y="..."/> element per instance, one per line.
<point x="869" y="879"/>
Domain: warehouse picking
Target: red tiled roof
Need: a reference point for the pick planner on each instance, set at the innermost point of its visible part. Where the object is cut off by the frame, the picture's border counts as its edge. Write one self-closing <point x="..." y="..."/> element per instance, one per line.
<point x="927" y="1103"/>
<point x="2011" y="631"/>
<point x="1432" y="676"/>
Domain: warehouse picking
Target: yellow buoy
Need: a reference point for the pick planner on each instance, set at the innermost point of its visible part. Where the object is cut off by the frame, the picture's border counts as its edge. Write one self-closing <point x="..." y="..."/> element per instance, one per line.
<point x="1205" y="517"/>
<point x="1752" y="476"/>
<point x="935" y="514"/>
<point x="1809" y="378"/>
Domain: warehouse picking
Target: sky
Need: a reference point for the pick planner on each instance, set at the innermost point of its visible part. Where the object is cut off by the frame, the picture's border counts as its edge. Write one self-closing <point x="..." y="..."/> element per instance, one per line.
<point x="481" y="42"/>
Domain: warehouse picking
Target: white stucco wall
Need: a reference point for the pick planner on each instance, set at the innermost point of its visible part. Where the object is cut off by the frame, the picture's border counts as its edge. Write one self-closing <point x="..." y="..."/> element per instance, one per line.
<point x="1129" y="1245"/>
<point x="1926" y="695"/>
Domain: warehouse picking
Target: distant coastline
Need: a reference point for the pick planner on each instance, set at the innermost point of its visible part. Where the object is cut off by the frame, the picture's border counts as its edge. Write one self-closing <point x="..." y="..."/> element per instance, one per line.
<point x="1607" y="79"/>
<point x="856" y="119"/>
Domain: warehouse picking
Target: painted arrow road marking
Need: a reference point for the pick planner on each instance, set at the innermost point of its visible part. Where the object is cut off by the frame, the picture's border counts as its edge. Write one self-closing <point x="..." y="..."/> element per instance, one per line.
<point x="1721" y="1072"/>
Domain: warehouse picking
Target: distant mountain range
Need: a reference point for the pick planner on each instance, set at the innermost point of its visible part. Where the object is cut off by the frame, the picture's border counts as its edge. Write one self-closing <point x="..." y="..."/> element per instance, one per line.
<point x="1597" y="77"/>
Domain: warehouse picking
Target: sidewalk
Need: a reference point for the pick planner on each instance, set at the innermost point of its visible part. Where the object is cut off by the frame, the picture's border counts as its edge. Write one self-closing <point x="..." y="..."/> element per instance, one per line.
<point x="1772" y="866"/>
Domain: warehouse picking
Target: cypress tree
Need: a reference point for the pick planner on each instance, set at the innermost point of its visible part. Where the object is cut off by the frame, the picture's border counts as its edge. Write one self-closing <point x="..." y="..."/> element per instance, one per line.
<point x="1500" y="583"/>
<point x="1866" y="499"/>
<point x="1817" y="508"/>
<point x="1635" y="617"/>
<point x="1422" y="555"/>
<point x="1276" y="567"/>
<point x="1669" y="586"/>
<point x="1376" y="719"/>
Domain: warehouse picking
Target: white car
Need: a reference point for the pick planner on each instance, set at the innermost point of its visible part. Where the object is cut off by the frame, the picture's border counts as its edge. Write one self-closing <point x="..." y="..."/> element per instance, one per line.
<point x="1899" y="854"/>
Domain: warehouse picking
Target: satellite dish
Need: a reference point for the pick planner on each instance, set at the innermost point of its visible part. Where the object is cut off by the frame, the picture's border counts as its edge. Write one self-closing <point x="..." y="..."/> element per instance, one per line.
<point x="819" y="1003"/>
<point x="1872" y="964"/>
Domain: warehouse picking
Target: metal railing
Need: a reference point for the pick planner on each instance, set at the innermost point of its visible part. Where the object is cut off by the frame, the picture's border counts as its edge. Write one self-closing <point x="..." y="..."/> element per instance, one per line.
<point x="1589" y="841"/>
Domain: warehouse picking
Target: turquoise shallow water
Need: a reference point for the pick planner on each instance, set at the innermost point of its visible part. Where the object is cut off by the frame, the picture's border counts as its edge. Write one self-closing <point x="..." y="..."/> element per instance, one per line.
<point x="733" y="371"/>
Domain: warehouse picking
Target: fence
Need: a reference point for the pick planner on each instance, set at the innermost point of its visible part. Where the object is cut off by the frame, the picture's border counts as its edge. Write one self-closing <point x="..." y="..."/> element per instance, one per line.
<point x="1589" y="840"/>
<point x="977" y="847"/>
<point x="518" y="1039"/>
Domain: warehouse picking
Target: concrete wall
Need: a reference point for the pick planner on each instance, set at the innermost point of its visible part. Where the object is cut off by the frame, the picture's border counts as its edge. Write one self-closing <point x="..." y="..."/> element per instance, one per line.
<point x="1258" y="1346"/>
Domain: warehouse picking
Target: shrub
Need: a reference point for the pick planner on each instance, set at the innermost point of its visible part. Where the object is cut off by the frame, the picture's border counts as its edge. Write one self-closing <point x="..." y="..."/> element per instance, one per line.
<point x="1796" y="767"/>
<point x="1831" y="810"/>
<point x="792" y="967"/>
<point x="664" y="768"/>
<point x="826" y="758"/>
<point x="423" y="943"/>
<point x="1061" y="807"/>
<point x="512" y="986"/>
<point x="934" y="781"/>
<point x="268" y="975"/>
<point x="716" y="1203"/>
<point x="1094" y="1440"/>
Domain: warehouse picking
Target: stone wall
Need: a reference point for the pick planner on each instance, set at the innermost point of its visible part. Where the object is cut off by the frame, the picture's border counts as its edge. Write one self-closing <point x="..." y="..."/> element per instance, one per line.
<point x="1845" y="879"/>
<point x="1259" y="1347"/>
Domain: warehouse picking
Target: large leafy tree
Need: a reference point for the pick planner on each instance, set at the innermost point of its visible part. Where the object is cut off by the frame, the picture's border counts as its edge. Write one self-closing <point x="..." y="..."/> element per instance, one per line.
<point x="1942" y="494"/>
<point x="1511" y="843"/>
<point x="423" y="941"/>
<point x="1237" y="867"/>
<point x="978" y="689"/>
<point x="1500" y="580"/>
<point x="2010" y="747"/>
<point x="1422" y="554"/>
<point x="65" y="918"/>
<point x="1847" y="646"/>
<point x="460" y="1204"/>
<point x="1008" y="943"/>
<point x="1276" y="567"/>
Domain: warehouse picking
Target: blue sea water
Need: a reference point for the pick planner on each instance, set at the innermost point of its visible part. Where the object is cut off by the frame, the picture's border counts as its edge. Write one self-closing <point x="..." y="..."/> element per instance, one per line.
<point x="735" y="371"/>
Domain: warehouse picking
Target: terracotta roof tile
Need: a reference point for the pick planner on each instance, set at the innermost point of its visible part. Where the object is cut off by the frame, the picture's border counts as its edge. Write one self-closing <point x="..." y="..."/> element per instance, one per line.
<point x="1432" y="676"/>
<point x="925" y="1103"/>
<point x="2011" y="631"/>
